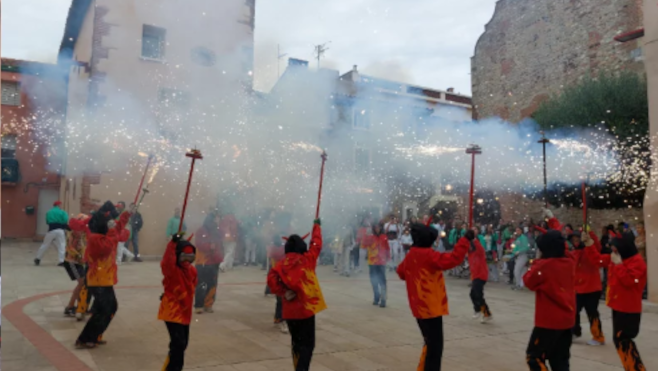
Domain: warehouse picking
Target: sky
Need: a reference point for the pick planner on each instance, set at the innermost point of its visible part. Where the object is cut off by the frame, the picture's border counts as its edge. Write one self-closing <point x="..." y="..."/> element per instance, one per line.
<point x="423" y="42"/>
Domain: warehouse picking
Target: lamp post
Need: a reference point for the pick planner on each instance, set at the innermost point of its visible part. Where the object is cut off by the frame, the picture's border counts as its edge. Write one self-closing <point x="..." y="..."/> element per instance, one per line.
<point x="472" y="150"/>
<point x="544" y="141"/>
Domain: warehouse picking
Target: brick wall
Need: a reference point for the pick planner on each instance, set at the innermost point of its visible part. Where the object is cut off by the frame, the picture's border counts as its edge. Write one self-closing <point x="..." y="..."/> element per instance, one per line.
<point x="532" y="49"/>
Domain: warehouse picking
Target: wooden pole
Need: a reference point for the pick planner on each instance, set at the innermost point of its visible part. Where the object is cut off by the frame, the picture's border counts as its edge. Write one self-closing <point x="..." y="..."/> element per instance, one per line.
<point x="195" y="154"/>
<point x="324" y="157"/>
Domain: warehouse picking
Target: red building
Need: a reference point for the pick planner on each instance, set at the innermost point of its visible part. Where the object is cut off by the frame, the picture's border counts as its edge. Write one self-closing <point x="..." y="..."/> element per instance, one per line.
<point x="32" y="112"/>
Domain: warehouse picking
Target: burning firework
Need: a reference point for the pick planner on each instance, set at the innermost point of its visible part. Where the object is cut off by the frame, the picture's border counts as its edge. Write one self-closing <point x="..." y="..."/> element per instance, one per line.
<point x="428" y="150"/>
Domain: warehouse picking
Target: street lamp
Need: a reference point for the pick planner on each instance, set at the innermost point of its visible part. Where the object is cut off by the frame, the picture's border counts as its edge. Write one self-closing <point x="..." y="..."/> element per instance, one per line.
<point x="472" y="150"/>
<point x="544" y="141"/>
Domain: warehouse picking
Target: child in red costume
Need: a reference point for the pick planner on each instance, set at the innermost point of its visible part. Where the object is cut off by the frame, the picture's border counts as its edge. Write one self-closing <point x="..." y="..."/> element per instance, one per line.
<point x="378" y="254"/>
<point x="479" y="277"/>
<point x="552" y="278"/>
<point x="422" y="270"/>
<point x="276" y="255"/>
<point x="73" y="262"/>
<point x="100" y="256"/>
<point x="294" y="279"/>
<point x="209" y="256"/>
<point x="625" y="285"/>
<point x="176" y="304"/>
<point x="587" y="288"/>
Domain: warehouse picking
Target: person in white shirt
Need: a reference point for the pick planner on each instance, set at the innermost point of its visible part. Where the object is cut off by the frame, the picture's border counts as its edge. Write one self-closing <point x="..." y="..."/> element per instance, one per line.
<point x="393" y="231"/>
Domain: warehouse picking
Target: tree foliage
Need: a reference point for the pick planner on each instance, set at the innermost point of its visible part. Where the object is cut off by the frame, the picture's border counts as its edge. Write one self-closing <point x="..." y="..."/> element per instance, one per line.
<point x="619" y="103"/>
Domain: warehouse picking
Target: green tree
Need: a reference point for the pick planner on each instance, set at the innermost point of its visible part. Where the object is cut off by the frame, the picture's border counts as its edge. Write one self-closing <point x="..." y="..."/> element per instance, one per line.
<point x="619" y="103"/>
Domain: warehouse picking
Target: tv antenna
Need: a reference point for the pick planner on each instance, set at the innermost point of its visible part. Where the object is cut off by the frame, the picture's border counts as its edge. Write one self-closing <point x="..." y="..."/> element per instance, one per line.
<point x="319" y="50"/>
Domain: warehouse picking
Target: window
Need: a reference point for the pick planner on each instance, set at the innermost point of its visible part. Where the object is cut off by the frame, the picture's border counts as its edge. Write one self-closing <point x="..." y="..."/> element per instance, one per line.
<point x="361" y="119"/>
<point x="153" y="42"/>
<point x="8" y="145"/>
<point x="11" y="94"/>
<point x="362" y="159"/>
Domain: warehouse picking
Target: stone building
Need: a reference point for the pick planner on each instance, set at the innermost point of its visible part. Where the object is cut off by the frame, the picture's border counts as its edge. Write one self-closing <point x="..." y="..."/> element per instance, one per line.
<point x="531" y="50"/>
<point x="153" y="67"/>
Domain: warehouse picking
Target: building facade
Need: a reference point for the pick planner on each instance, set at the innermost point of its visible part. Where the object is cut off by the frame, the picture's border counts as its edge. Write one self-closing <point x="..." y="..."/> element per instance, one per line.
<point x="140" y="74"/>
<point x="531" y="50"/>
<point x="32" y="117"/>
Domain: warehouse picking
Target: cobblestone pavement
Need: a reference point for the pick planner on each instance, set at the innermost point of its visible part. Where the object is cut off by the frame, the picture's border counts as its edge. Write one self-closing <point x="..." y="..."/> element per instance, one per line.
<point x="351" y="335"/>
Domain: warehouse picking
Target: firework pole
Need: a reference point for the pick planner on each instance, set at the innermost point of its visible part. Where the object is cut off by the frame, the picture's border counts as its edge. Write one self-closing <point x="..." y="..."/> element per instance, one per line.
<point x="544" y="141"/>
<point x="324" y="157"/>
<point x="472" y="150"/>
<point x="195" y="154"/>
<point x="584" y="204"/>
<point x="142" y="180"/>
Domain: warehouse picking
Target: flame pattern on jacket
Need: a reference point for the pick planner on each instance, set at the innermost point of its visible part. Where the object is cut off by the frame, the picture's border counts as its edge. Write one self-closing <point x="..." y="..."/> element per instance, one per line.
<point x="76" y="240"/>
<point x="179" y="283"/>
<point x="101" y="254"/>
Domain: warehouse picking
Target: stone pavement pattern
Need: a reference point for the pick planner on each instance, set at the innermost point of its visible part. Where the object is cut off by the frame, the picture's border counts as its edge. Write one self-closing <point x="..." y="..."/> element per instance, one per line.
<point x="351" y="335"/>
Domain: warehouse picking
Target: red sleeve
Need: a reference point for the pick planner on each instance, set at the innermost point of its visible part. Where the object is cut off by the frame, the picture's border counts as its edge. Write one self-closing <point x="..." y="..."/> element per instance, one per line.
<point x="542" y="230"/>
<point x="595" y="257"/>
<point x="123" y="220"/>
<point x="554" y="224"/>
<point x="78" y="225"/>
<point x="449" y="260"/>
<point x="168" y="264"/>
<point x="275" y="283"/>
<point x="316" y="244"/>
<point x="629" y="274"/>
<point x="533" y="279"/>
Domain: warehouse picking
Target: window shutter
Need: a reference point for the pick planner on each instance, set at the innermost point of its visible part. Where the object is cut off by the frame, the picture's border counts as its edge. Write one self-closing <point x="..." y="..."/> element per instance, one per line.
<point x="11" y="94"/>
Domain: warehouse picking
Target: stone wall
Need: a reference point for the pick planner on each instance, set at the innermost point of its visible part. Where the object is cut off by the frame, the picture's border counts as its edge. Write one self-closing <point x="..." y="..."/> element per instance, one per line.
<point x="532" y="49"/>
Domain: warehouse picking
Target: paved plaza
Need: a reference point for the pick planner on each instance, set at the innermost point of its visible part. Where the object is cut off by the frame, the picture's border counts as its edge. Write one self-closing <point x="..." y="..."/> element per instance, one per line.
<point x="240" y="336"/>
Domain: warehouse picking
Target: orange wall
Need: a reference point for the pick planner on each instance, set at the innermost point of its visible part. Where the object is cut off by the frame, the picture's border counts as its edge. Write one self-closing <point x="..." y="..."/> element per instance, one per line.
<point x="32" y="166"/>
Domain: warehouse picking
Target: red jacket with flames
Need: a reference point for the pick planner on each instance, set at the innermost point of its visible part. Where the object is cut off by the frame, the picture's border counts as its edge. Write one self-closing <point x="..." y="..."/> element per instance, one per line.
<point x="179" y="283"/>
<point x="378" y="249"/>
<point x="587" y="268"/>
<point x="422" y="270"/>
<point x="209" y="247"/>
<point x="553" y="280"/>
<point x="101" y="254"/>
<point x="297" y="272"/>
<point x="625" y="281"/>
<point x="477" y="261"/>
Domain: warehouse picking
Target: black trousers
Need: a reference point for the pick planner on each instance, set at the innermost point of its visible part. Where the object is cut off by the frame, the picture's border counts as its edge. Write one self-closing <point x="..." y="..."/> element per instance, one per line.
<point x="355" y="254"/>
<point x="207" y="282"/>
<point x="179" y="335"/>
<point x="626" y="328"/>
<point x="278" y="310"/>
<point x="549" y="345"/>
<point x="303" y="341"/>
<point x="378" y="283"/>
<point x="478" y="299"/>
<point x="511" y="264"/>
<point x="589" y="302"/>
<point x="434" y="342"/>
<point x="105" y="307"/>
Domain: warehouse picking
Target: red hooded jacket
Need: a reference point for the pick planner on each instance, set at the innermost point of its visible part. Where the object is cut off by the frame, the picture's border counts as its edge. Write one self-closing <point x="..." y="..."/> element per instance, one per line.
<point x="477" y="261"/>
<point x="625" y="281"/>
<point x="587" y="269"/>
<point x="553" y="280"/>
<point x="297" y="272"/>
<point x="101" y="254"/>
<point x="179" y="283"/>
<point x="422" y="270"/>
<point x="378" y="249"/>
<point x="209" y="247"/>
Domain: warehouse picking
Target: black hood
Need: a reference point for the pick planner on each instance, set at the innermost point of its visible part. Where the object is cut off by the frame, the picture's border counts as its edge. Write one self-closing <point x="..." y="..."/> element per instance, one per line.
<point x="551" y="244"/>
<point x="180" y="245"/>
<point x="625" y="245"/>
<point x="295" y="244"/>
<point x="422" y="235"/>
<point x="99" y="221"/>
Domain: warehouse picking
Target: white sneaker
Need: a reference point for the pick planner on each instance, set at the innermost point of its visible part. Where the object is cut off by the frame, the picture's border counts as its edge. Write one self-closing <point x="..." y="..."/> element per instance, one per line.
<point x="485" y="319"/>
<point x="476" y="315"/>
<point x="284" y="328"/>
<point x="594" y="342"/>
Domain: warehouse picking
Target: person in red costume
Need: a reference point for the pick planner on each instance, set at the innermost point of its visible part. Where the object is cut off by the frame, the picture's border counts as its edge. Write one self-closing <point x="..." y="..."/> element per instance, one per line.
<point x="276" y="254"/>
<point x="176" y="303"/>
<point x="422" y="270"/>
<point x="479" y="277"/>
<point x="587" y="288"/>
<point x="552" y="278"/>
<point x="209" y="257"/>
<point x="294" y="279"/>
<point x="625" y="286"/>
<point x="100" y="255"/>
<point x="73" y="262"/>
<point x="378" y="254"/>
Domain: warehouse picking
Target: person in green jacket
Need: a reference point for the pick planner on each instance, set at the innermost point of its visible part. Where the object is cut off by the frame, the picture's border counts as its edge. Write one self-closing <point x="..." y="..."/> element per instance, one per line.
<point x="489" y="240"/>
<point x="520" y="249"/>
<point x="58" y="221"/>
<point x="173" y="224"/>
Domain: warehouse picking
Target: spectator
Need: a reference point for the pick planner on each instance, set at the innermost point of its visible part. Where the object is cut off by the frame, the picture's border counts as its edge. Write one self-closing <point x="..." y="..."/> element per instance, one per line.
<point x="520" y="249"/>
<point x="136" y="226"/>
<point x="173" y="224"/>
<point x="229" y="233"/>
<point x="488" y="240"/>
<point x="640" y="241"/>
<point x="58" y="221"/>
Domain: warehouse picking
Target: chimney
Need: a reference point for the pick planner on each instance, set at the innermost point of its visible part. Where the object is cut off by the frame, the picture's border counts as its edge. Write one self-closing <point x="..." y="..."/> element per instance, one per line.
<point x="355" y="68"/>
<point x="355" y="76"/>
<point x="450" y="90"/>
<point x="298" y="62"/>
